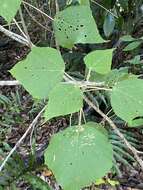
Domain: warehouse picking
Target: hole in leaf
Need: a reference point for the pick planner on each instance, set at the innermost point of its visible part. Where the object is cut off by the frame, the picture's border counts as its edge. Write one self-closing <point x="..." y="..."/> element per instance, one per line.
<point x="137" y="118"/>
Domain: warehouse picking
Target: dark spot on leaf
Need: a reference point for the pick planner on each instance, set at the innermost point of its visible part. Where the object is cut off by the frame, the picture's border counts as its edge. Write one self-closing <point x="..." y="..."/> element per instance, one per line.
<point x="71" y="164"/>
<point x="85" y="35"/>
<point x="70" y="26"/>
<point x="81" y="25"/>
<point x="77" y="29"/>
<point x="82" y="153"/>
<point x="65" y="29"/>
<point x="25" y="67"/>
<point x="67" y="37"/>
<point x="60" y="29"/>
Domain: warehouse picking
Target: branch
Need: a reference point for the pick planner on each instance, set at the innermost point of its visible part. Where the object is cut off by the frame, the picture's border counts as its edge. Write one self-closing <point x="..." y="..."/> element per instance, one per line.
<point x="9" y="83"/>
<point x="14" y="36"/>
<point x="34" y="122"/>
<point x="130" y="147"/>
<point x="81" y="84"/>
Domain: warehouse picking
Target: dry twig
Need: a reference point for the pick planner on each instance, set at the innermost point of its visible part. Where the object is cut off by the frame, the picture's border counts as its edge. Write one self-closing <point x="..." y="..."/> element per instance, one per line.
<point x="34" y="122"/>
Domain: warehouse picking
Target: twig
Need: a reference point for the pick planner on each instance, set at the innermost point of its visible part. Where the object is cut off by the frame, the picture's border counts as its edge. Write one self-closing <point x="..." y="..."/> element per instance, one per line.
<point x="24" y="26"/>
<point x="18" y="26"/>
<point x="9" y="83"/>
<point x="24" y="2"/>
<point x="104" y="8"/>
<point x="130" y="147"/>
<point x="32" y="17"/>
<point x="34" y="122"/>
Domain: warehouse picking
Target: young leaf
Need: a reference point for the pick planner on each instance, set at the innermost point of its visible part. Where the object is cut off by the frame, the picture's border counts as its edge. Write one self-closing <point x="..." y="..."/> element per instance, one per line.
<point x="84" y="2"/>
<point x="127" y="38"/>
<point x="36" y="182"/>
<point x="40" y="71"/>
<point x="99" y="61"/>
<point x="75" y="25"/>
<point x="132" y="46"/>
<point x="134" y="61"/>
<point x="109" y="24"/>
<point x="127" y="99"/>
<point x="79" y="155"/>
<point x="63" y="99"/>
<point x="8" y="9"/>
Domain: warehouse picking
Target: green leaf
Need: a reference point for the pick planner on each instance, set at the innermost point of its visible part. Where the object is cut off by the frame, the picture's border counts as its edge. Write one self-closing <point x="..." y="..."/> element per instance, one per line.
<point x="84" y="2"/>
<point x="40" y="71"/>
<point x="132" y="46"/>
<point x="137" y="122"/>
<point x="9" y="8"/>
<point x="134" y="61"/>
<point x="124" y="3"/>
<point x="75" y="25"/>
<point x="81" y="2"/>
<point x="63" y="99"/>
<point x="36" y="182"/>
<point x="127" y="99"/>
<point x="127" y="38"/>
<point x="99" y="61"/>
<point x="79" y="156"/>
<point x="109" y="24"/>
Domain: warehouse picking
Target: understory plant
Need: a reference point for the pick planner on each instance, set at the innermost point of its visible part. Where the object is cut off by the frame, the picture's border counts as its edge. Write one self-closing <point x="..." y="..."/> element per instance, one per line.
<point x="82" y="153"/>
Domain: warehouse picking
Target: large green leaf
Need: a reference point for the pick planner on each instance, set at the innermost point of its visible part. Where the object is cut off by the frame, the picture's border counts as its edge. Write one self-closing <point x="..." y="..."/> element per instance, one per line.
<point x="63" y="100"/>
<point x="40" y="71"/>
<point x="75" y="25"/>
<point x="127" y="99"/>
<point x="8" y="8"/>
<point x="99" y="61"/>
<point x="79" y="155"/>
